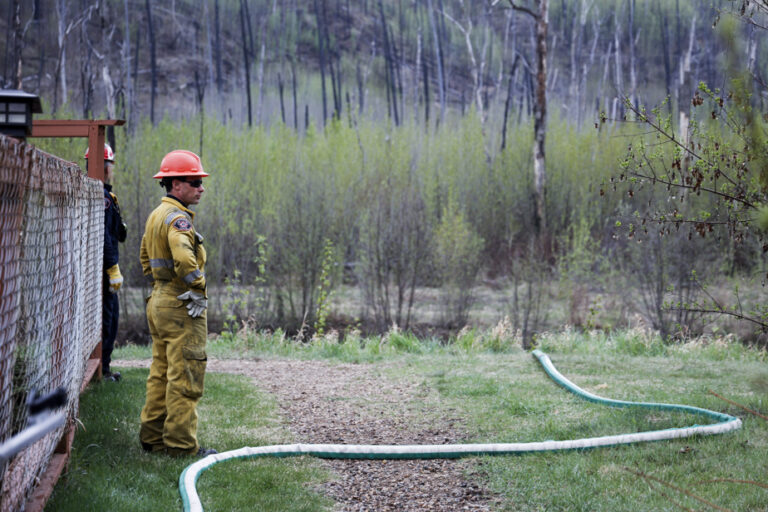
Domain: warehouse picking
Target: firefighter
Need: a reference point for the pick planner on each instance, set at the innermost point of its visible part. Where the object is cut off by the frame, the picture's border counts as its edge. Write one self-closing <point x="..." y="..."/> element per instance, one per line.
<point x="114" y="232"/>
<point x="172" y="253"/>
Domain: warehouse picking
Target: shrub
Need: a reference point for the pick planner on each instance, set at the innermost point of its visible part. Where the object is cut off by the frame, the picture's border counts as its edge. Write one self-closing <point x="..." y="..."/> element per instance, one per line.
<point x="457" y="252"/>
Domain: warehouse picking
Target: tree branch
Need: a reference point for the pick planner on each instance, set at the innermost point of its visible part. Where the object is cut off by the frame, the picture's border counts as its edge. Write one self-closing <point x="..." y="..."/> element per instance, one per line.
<point x="520" y="8"/>
<point x="671" y="137"/>
<point x="719" y="311"/>
<point x="692" y="187"/>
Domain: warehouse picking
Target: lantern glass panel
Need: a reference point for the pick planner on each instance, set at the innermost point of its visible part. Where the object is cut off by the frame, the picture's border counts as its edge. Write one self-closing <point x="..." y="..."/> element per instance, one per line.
<point x="17" y="118"/>
<point x="17" y="107"/>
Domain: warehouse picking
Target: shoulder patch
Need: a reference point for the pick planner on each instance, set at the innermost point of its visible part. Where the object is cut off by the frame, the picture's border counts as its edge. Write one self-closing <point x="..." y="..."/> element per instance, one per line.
<point x="182" y="224"/>
<point x="107" y="203"/>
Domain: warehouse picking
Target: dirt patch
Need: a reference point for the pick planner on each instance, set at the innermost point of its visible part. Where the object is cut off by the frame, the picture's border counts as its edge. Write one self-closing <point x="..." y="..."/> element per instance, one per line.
<point x="356" y="404"/>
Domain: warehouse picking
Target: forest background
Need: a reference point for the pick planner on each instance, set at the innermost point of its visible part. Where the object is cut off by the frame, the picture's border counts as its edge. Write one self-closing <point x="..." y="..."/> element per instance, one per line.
<point x="372" y="162"/>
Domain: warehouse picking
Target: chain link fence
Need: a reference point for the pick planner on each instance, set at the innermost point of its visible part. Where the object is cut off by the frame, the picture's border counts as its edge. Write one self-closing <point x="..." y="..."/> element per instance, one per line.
<point x="51" y="250"/>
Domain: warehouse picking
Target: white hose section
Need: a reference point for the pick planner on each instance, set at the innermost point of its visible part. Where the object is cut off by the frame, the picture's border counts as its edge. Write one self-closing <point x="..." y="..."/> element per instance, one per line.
<point x="726" y="423"/>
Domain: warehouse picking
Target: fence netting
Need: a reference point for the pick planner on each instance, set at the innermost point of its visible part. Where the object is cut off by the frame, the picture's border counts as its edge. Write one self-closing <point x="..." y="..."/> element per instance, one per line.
<point x="51" y="244"/>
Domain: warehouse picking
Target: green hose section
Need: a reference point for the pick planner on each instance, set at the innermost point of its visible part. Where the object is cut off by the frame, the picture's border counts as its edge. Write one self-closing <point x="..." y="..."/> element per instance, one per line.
<point x="726" y="423"/>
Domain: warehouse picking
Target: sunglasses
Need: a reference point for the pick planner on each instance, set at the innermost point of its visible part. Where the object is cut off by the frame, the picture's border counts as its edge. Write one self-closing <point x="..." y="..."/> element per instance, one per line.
<point x="194" y="183"/>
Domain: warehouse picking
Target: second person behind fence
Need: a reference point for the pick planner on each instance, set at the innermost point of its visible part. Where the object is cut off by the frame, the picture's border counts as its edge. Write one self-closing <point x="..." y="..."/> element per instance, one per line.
<point x="112" y="279"/>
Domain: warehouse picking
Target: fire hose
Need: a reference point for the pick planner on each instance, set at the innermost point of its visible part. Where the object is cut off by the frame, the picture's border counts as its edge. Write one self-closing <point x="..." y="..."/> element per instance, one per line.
<point x="725" y="423"/>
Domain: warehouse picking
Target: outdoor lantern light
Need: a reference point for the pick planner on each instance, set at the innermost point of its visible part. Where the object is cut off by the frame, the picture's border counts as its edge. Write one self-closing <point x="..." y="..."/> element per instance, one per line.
<point x="16" y="109"/>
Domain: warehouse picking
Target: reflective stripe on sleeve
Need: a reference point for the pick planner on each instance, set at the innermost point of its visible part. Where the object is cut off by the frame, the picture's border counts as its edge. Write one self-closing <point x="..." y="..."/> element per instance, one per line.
<point x="192" y="276"/>
<point x="175" y="213"/>
<point x="160" y="263"/>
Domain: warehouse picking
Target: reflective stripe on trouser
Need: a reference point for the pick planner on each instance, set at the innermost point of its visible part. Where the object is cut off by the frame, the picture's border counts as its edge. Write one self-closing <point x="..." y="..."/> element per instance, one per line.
<point x="176" y="376"/>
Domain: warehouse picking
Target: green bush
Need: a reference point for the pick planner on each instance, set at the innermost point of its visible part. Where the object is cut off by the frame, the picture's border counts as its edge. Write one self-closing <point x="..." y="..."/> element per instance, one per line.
<point x="457" y="250"/>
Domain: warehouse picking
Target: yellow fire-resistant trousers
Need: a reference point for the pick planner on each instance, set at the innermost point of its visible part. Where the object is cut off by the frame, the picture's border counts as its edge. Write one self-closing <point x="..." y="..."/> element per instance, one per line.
<point x="175" y="383"/>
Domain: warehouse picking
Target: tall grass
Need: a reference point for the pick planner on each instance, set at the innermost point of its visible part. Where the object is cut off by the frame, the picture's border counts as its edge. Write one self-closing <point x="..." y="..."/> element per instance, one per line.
<point x="352" y="346"/>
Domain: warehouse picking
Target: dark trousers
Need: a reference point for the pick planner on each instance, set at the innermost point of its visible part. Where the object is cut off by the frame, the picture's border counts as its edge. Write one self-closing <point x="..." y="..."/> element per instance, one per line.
<point x="109" y="317"/>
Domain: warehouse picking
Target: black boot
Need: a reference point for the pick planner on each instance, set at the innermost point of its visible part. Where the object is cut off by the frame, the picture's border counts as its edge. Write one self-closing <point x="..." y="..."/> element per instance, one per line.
<point x="111" y="376"/>
<point x="204" y="452"/>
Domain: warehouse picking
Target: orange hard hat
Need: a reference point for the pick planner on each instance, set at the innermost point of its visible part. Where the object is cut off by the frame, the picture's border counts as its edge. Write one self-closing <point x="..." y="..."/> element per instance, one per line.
<point x="180" y="163"/>
<point x="109" y="155"/>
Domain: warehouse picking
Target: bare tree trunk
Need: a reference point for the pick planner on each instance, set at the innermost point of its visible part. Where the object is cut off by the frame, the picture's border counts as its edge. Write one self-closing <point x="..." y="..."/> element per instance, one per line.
<point x="416" y="71"/>
<point x="632" y="58"/>
<point x="360" y="87"/>
<point x="508" y="102"/>
<point x="335" y="73"/>
<point x="246" y="62"/>
<point x="618" y="75"/>
<point x="86" y="71"/>
<point x="752" y="44"/>
<point x="678" y="52"/>
<point x="427" y="101"/>
<point x="208" y="42"/>
<point x="577" y="34"/>
<point x="219" y="78"/>
<point x="438" y="60"/>
<point x="295" y="99"/>
<point x="6" y="83"/>
<point x="41" y="55"/>
<point x="61" y="61"/>
<point x="125" y="57"/>
<point x="508" y="27"/>
<point x="321" y="49"/>
<point x="200" y="96"/>
<point x="685" y="85"/>
<point x="336" y="83"/>
<point x="18" y="45"/>
<point x="525" y="99"/>
<point x="136" y="72"/>
<point x="540" y="118"/>
<point x="19" y="38"/>
<point x="599" y="98"/>
<point x="586" y="66"/>
<point x="539" y="114"/>
<point x="390" y="63"/>
<point x="153" y="60"/>
<point x="664" y="33"/>
<point x="401" y="62"/>
<point x="109" y="90"/>
<point x="280" y="88"/>
<point x="260" y="80"/>
<point x="477" y="67"/>
<point x="249" y="26"/>
<point x="362" y="78"/>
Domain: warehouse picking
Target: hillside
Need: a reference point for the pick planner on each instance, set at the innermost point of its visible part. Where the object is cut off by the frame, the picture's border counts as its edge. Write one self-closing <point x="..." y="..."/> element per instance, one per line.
<point x="137" y="59"/>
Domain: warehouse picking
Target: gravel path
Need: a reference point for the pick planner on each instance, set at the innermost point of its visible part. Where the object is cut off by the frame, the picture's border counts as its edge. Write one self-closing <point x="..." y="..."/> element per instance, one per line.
<point x="353" y="404"/>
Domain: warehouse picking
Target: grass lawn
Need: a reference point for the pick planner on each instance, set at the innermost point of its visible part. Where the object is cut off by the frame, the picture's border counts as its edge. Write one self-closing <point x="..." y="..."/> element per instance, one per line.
<point x="499" y="396"/>
<point x="508" y="399"/>
<point x="109" y="470"/>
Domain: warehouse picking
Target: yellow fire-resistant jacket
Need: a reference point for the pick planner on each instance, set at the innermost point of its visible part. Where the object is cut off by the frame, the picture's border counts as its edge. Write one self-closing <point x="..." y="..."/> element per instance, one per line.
<point x="171" y="249"/>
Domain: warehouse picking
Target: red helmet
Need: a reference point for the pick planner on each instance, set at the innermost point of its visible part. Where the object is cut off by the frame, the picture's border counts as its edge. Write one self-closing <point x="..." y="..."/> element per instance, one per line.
<point x="109" y="155"/>
<point x="180" y="163"/>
